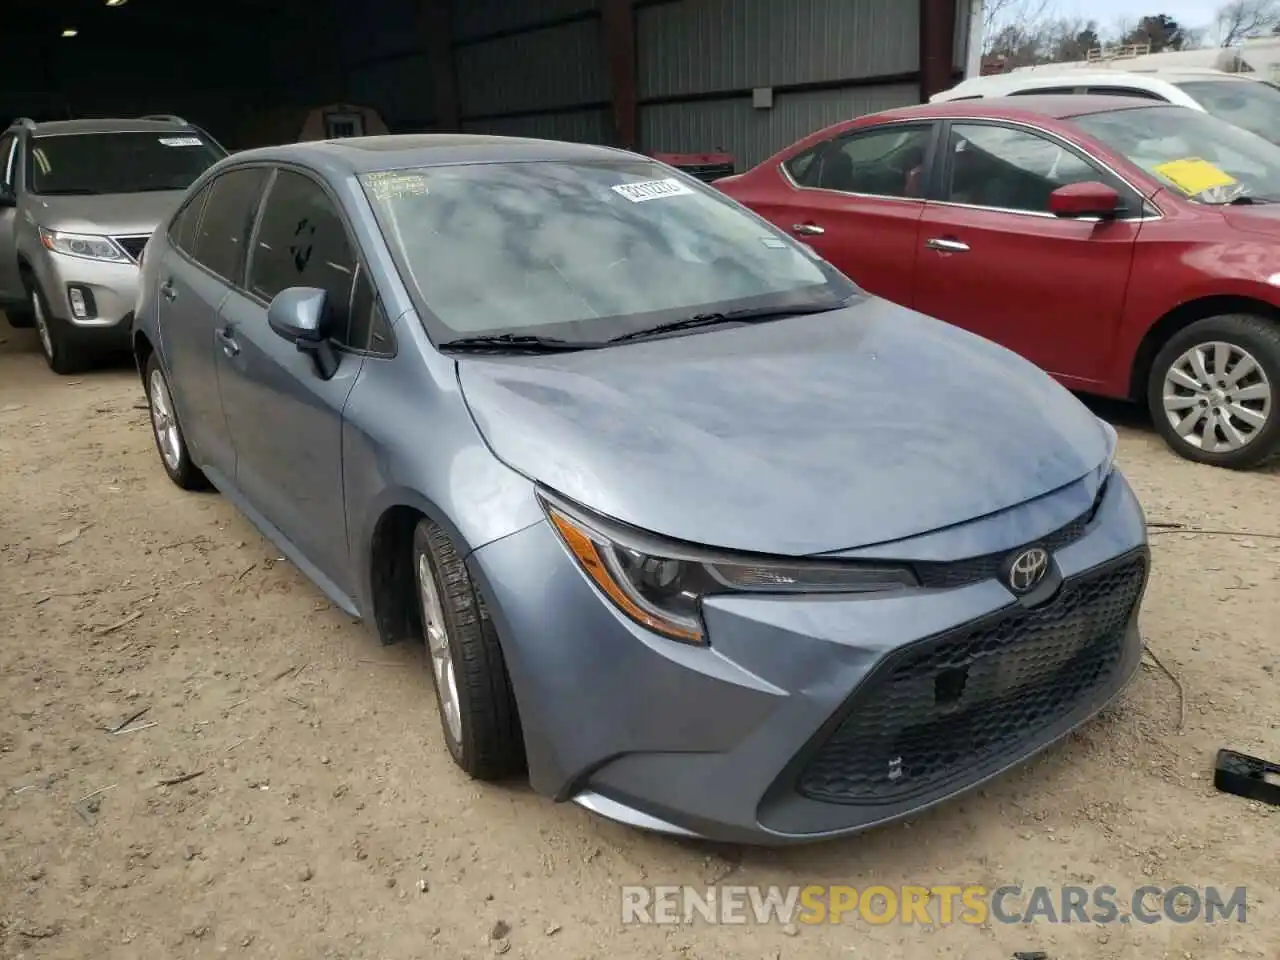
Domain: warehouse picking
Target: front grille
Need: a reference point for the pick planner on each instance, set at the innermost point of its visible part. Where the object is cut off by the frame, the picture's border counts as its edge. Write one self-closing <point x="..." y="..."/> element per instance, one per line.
<point x="133" y="245"/>
<point x="960" y="573"/>
<point x="939" y="710"/>
<point x="707" y="172"/>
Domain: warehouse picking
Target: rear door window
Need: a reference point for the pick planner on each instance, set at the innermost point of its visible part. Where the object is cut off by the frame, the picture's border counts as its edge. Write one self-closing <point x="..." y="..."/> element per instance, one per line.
<point x="880" y="162"/>
<point x="1042" y="91"/>
<point x="1126" y="92"/>
<point x="182" y="231"/>
<point x="223" y="231"/>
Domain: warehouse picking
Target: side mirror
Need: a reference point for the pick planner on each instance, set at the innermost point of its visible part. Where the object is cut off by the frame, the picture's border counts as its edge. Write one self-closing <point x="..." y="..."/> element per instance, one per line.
<point x="1081" y="200"/>
<point x="8" y="198"/>
<point x="299" y="315"/>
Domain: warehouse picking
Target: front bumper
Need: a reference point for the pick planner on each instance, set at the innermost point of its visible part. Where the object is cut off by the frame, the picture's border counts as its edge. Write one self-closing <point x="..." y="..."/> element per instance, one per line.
<point x="774" y="732"/>
<point x="110" y="289"/>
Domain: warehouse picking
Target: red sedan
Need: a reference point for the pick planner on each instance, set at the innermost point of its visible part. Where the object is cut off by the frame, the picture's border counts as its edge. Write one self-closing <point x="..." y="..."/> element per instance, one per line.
<point x="1131" y="249"/>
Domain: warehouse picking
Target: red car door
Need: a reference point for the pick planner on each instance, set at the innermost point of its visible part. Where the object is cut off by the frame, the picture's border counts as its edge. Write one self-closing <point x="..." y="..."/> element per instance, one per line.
<point x="855" y="199"/>
<point x="995" y="261"/>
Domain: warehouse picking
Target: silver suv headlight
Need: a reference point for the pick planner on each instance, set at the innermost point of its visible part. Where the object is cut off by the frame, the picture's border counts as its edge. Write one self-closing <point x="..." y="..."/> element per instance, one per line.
<point x="86" y="246"/>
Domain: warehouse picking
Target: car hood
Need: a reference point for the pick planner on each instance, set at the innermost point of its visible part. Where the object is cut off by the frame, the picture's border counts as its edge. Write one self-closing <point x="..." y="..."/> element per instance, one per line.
<point x="109" y="213"/>
<point x="809" y="435"/>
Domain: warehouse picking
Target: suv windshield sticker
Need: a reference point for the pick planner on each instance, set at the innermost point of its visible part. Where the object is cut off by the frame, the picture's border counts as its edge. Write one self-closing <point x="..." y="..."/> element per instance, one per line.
<point x="182" y="141"/>
<point x="1194" y="176"/>
<point x="651" y="190"/>
<point x="393" y="186"/>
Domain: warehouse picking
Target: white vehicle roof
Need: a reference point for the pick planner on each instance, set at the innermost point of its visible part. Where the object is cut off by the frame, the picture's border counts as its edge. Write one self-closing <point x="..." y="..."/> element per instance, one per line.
<point x="1161" y="83"/>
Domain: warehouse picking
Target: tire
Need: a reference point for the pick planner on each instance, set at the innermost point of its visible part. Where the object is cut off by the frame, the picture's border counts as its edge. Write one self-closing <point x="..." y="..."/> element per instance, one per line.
<point x="1250" y="347"/>
<point x="473" y="690"/>
<point x="62" y="356"/>
<point x="171" y="445"/>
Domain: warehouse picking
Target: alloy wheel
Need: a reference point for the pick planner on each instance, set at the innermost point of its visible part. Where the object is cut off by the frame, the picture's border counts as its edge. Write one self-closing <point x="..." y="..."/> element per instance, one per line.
<point x="164" y="422"/>
<point x="1217" y="397"/>
<point x="42" y="326"/>
<point x="437" y="637"/>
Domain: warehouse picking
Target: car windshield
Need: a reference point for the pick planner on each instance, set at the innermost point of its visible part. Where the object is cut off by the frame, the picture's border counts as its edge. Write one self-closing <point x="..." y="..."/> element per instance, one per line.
<point x="1194" y="153"/>
<point x="98" y="163"/>
<point x="585" y="251"/>
<point x="1245" y="103"/>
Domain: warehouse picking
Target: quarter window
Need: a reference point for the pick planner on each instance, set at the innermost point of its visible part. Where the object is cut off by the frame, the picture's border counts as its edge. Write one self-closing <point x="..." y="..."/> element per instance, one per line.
<point x="368" y="329"/>
<point x="804" y="167"/>
<point x="302" y="242"/>
<point x="223" y="229"/>
<point x="182" y="231"/>
<point x="884" y="163"/>
<point x="994" y="166"/>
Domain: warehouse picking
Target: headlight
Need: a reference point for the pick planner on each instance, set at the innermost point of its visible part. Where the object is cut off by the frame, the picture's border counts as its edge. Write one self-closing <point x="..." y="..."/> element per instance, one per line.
<point x="83" y="245"/>
<point x="660" y="585"/>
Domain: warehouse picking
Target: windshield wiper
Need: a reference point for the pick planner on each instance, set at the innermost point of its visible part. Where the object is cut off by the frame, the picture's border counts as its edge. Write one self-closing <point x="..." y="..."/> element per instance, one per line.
<point x="517" y="341"/>
<point x="1247" y="200"/>
<point x="71" y="192"/>
<point x="728" y="316"/>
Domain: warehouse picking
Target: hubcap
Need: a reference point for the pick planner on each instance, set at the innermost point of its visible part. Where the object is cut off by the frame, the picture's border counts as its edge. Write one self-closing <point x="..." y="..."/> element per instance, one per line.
<point x="1217" y="397"/>
<point x="438" y="648"/>
<point x="42" y="325"/>
<point x="164" y="422"/>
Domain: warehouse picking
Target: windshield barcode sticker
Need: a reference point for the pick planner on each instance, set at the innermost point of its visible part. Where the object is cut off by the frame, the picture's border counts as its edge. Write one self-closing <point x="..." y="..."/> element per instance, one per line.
<point x="394" y="186"/>
<point x="652" y="190"/>
<point x="181" y="141"/>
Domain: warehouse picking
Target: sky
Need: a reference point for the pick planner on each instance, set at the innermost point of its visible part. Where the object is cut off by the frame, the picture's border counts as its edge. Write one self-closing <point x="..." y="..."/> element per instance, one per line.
<point x="1193" y="13"/>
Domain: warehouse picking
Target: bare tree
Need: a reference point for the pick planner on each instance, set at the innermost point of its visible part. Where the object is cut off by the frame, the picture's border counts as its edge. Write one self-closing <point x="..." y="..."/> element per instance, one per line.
<point x="1246" y="18"/>
<point x="998" y="15"/>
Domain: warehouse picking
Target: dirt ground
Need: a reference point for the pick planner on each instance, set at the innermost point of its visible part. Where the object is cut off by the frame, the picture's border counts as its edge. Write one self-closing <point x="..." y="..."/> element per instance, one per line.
<point x="325" y="819"/>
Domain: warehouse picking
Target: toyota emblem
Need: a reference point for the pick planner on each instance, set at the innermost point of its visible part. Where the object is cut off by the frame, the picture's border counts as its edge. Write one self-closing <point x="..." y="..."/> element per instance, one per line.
<point x="1028" y="568"/>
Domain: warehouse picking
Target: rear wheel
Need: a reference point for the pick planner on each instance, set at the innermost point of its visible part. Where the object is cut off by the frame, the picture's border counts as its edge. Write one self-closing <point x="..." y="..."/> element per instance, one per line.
<point x="1214" y="391"/>
<point x="473" y="691"/>
<point x="170" y="443"/>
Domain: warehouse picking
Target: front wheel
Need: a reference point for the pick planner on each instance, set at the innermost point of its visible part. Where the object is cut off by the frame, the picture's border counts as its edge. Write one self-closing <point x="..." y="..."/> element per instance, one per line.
<point x="473" y="691"/>
<point x="60" y="353"/>
<point x="1214" y="391"/>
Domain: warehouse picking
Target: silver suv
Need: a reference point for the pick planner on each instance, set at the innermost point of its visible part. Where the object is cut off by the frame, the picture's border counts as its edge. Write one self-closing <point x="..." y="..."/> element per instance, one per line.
<point x="78" y="201"/>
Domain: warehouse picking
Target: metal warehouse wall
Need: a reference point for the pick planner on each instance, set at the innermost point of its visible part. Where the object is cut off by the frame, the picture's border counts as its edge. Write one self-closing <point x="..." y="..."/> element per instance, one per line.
<point x="546" y="82"/>
<point x="826" y="60"/>
<point x="539" y="68"/>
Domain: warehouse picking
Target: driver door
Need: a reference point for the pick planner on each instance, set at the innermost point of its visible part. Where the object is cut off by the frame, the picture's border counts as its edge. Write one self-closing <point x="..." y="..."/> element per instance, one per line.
<point x="996" y="261"/>
<point x="285" y="419"/>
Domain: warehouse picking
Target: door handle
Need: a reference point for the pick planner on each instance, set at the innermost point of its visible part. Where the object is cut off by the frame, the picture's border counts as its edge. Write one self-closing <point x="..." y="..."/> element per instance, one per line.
<point x="947" y="246"/>
<point x="167" y="291"/>
<point x="808" y="229"/>
<point x="228" y="341"/>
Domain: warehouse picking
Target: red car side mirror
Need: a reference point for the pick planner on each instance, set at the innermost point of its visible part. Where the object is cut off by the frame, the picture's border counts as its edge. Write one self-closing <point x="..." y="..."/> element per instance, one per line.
<point x="1078" y="200"/>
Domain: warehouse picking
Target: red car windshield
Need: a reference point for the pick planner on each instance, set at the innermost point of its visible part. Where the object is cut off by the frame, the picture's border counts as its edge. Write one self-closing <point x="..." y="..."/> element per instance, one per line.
<point x="1200" y="156"/>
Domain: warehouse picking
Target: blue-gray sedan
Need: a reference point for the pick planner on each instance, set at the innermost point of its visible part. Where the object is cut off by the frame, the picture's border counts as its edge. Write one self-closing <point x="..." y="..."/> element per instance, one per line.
<point x="696" y="532"/>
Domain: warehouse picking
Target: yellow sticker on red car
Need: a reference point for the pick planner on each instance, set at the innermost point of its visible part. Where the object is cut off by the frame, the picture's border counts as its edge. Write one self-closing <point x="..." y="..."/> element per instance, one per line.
<point x="1193" y="175"/>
